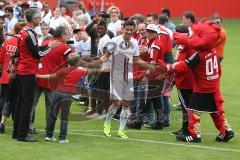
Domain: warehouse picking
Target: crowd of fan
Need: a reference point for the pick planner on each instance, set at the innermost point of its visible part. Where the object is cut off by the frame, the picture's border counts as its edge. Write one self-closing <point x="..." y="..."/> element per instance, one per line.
<point x="87" y="35"/>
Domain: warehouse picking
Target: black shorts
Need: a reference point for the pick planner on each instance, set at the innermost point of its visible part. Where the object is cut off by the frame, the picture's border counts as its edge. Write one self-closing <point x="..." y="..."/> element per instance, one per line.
<point x="203" y="102"/>
<point x="184" y="96"/>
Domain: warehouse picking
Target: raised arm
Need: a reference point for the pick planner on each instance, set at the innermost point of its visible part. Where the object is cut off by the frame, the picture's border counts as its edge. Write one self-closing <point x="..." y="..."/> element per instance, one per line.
<point x="102" y="59"/>
<point x="37" y="51"/>
<point x="45" y="76"/>
<point x="142" y="64"/>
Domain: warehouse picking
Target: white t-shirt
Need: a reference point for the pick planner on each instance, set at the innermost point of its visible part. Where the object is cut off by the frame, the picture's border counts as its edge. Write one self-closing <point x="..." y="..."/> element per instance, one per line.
<point x="101" y="44"/>
<point x="38" y="30"/>
<point x="122" y="56"/>
<point x="60" y="21"/>
<point x="37" y="4"/>
<point x="10" y="25"/>
<point x="84" y="48"/>
<point x="46" y="18"/>
<point x="114" y="27"/>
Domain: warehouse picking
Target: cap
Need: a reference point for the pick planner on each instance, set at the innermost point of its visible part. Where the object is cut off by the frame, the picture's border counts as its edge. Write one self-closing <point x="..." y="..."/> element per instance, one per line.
<point x="153" y="27"/>
<point x="79" y="29"/>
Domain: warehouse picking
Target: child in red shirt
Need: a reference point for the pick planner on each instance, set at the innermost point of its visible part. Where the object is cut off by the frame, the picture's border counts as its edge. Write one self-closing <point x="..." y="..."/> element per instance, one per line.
<point x="64" y="83"/>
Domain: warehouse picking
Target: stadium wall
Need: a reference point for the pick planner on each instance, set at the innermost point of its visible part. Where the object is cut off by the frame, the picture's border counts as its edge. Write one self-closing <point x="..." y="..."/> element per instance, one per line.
<point x="202" y="8"/>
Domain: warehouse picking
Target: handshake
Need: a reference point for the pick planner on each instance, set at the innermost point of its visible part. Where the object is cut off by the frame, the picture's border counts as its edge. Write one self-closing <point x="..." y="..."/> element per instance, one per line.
<point x="93" y="64"/>
<point x="161" y="70"/>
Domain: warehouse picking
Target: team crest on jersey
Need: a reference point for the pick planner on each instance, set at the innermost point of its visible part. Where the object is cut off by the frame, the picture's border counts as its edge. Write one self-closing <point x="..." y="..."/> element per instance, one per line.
<point x="11" y="48"/>
<point x="126" y="45"/>
<point x="110" y="47"/>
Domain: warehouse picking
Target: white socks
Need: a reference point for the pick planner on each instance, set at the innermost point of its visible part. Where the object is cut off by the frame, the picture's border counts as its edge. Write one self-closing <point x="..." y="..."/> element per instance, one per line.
<point x="123" y="116"/>
<point x="111" y="112"/>
<point x="123" y="119"/>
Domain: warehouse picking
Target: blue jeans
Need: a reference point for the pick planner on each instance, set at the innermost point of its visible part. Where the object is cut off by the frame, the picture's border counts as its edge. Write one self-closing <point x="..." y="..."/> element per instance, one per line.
<point x="48" y="98"/>
<point x="154" y="101"/>
<point x="60" y="101"/>
<point x="141" y="106"/>
<point x="166" y="109"/>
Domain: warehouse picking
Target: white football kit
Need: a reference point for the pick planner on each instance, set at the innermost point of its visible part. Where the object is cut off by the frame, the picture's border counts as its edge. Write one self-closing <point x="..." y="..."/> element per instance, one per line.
<point x="122" y="52"/>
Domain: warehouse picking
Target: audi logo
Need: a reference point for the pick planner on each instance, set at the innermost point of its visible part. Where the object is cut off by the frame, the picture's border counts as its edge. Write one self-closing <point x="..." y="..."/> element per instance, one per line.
<point x="11" y="48"/>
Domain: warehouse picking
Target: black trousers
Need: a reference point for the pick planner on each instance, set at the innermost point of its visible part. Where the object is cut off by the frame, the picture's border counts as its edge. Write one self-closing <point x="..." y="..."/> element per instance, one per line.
<point x="26" y="86"/>
<point x="3" y="95"/>
<point x="102" y="92"/>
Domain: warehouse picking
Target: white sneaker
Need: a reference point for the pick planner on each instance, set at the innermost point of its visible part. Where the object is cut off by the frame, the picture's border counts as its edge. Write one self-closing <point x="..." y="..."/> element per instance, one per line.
<point x="52" y="139"/>
<point x="77" y="96"/>
<point x="80" y="102"/>
<point x="94" y="116"/>
<point x="63" y="141"/>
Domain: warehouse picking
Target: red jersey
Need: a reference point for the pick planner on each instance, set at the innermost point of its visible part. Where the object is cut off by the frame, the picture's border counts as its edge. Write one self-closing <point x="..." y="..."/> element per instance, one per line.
<point x="136" y="36"/>
<point x="137" y="71"/>
<point x="1" y="54"/>
<point x="157" y="51"/>
<point x="165" y="39"/>
<point x="184" y="80"/>
<point x="142" y="42"/>
<point x="8" y="48"/>
<point x="205" y="69"/>
<point x="30" y="52"/>
<point x="48" y="64"/>
<point x="66" y="79"/>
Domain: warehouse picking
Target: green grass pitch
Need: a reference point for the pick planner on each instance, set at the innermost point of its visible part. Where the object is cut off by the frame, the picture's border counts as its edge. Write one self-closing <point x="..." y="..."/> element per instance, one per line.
<point x="88" y="143"/>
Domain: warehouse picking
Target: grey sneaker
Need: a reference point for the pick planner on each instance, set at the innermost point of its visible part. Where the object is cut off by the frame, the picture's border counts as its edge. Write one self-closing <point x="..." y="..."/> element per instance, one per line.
<point x="50" y="139"/>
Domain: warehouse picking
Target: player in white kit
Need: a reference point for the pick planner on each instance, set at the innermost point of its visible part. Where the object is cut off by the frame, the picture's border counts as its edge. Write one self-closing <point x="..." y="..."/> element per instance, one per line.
<point x="124" y="51"/>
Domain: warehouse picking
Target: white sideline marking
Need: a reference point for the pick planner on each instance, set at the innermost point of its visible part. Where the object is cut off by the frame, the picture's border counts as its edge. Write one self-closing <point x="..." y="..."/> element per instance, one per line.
<point x="130" y="131"/>
<point x="141" y="131"/>
<point x="159" y="142"/>
<point x="71" y="132"/>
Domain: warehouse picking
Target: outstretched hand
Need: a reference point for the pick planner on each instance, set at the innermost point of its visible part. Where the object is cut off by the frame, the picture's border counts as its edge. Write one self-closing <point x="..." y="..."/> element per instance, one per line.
<point x="93" y="64"/>
<point x="159" y="72"/>
<point x="54" y="44"/>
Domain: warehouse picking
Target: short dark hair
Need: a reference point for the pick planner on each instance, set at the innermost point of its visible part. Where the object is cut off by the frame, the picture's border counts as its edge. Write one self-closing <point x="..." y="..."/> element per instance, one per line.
<point x="9" y="9"/>
<point x="182" y="28"/>
<point x="163" y="19"/>
<point x="62" y="6"/>
<point x="51" y="31"/>
<point x="102" y="23"/>
<point x="30" y="13"/>
<point x="166" y="11"/>
<point x="189" y="15"/>
<point x="153" y="15"/>
<point x="59" y="31"/>
<point x="129" y="23"/>
<point x="44" y="24"/>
